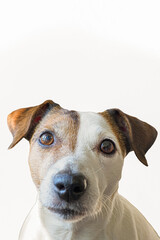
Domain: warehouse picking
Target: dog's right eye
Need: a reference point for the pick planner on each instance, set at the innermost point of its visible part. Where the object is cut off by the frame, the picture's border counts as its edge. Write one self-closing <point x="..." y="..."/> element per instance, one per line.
<point x="46" y="138"/>
<point x="107" y="146"/>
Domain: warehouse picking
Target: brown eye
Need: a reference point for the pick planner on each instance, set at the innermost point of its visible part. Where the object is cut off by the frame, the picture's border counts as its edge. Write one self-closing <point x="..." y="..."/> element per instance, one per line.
<point x="46" y="138"/>
<point x="107" y="146"/>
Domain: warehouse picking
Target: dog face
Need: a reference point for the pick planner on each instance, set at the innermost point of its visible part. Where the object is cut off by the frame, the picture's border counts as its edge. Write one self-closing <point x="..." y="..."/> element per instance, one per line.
<point x="75" y="151"/>
<point x="76" y="158"/>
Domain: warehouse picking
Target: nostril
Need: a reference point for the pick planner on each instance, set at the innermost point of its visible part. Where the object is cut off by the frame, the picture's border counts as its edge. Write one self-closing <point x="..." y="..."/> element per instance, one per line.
<point x="60" y="186"/>
<point x="77" y="189"/>
<point x="79" y="186"/>
<point x="60" y="183"/>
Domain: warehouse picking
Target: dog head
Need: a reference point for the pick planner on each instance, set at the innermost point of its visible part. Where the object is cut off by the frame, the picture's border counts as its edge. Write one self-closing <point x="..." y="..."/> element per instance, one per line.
<point x="76" y="158"/>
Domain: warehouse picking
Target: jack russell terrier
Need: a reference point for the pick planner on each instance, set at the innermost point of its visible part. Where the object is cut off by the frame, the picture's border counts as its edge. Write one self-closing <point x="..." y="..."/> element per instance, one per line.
<point x="76" y="161"/>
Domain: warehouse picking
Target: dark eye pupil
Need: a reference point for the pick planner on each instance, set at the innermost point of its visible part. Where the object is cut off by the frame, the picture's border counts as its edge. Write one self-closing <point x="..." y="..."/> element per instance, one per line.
<point x="46" y="138"/>
<point x="107" y="146"/>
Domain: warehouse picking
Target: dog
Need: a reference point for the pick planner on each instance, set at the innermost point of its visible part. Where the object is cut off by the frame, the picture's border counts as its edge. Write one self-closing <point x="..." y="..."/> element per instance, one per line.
<point x="76" y="161"/>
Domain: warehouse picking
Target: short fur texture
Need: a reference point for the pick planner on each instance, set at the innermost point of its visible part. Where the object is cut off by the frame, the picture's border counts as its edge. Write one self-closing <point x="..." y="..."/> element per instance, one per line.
<point x="100" y="213"/>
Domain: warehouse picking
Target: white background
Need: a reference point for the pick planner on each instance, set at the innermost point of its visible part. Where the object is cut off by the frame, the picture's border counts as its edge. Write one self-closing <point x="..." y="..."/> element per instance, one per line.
<point x="88" y="56"/>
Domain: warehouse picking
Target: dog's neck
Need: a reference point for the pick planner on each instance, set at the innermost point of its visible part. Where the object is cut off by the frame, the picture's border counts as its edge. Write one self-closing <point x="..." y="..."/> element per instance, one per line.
<point x="60" y="229"/>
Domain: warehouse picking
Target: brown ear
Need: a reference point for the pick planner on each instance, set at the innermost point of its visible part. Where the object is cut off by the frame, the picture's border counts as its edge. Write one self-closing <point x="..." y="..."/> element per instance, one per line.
<point x="138" y="136"/>
<point x="22" y="122"/>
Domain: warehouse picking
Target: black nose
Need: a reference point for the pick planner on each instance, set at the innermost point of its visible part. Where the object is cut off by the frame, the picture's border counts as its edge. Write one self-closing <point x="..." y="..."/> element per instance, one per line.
<point x="69" y="187"/>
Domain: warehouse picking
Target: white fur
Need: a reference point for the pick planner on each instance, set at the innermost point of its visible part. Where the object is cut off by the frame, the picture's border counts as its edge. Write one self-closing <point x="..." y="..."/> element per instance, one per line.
<point x="108" y="216"/>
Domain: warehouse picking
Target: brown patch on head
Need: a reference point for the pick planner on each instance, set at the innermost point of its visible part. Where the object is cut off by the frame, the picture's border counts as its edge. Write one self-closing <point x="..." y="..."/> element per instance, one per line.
<point x="30" y="122"/>
<point x="116" y="131"/>
<point x="133" y="134"/>
<point x="22" y="122"/>
<point x="64" y="125"/>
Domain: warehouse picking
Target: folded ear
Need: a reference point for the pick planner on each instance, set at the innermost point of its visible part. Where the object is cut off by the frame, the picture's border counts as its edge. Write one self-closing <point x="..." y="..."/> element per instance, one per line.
<point x="22" y="122"/>
<point x="137" y="135"/>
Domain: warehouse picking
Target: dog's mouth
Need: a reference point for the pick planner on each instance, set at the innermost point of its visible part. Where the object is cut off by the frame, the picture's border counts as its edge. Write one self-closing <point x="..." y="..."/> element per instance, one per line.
<point x="68" y="214"/>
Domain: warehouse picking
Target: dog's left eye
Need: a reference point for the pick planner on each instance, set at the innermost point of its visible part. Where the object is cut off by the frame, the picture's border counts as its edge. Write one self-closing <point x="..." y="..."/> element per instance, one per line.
<point x="46" y="138"/>
<point x="107" y="146"/>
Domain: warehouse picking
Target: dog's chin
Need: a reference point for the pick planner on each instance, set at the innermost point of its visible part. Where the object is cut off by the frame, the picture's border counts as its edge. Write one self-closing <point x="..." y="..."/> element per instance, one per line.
<point x="68" y="214"/>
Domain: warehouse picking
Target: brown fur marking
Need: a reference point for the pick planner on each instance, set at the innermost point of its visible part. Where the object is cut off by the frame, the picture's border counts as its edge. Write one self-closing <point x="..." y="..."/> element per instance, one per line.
<point x="116" y="131"/>
<point x="64" y="125"/>
<point x="132" y="133"/>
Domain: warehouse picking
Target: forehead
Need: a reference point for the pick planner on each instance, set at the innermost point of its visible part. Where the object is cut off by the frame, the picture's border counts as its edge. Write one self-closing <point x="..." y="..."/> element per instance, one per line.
<point x="64" y="118"/>
<point x="60" y="119"/>
<point x="72" y="125"/>
<point x="94" y="124"/>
